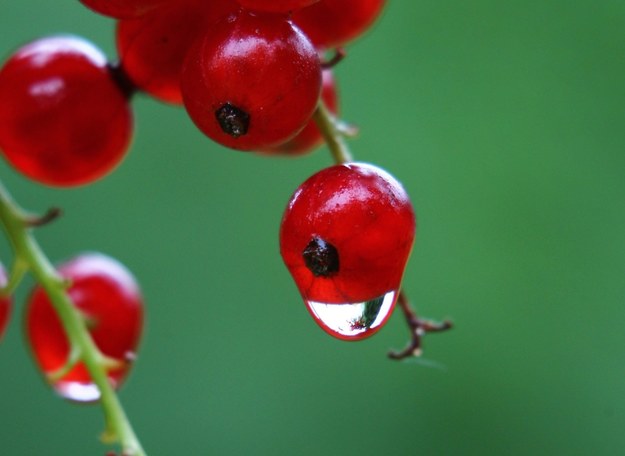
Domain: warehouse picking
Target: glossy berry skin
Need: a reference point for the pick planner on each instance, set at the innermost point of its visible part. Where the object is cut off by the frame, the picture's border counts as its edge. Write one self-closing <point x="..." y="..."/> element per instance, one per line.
<point x="124" y="8"/>
<point x="275" y="6"/>
<point x="107" y="294"/>
<point x="333" y="23"/>
<point x="252" y="82"/>
<point x="153" y="48"/>
<point x="63" y="119"/>
<point x="347" y="233"/>
<point x="5" y="304"/>
<point x="310" y="137"/>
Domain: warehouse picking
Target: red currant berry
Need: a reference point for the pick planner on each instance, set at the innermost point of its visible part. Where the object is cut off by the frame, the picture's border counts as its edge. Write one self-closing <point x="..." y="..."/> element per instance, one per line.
<point x="310" y="137"/>
<point x="345" y="237"/>
<point x="108" y="297"/>
<point x="123" y="8"/>
<point x="252" y="82"/>
<point x="64" y="120"/>
<point x="275" y="6"/>
<point x="152" y="48"/>
<point x="5" y="303"/>
<point x="332" y="23"/>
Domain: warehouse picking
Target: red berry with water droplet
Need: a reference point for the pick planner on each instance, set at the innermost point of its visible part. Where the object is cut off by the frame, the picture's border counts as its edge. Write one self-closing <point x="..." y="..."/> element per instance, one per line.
<point x="108" y="297"/>
<point x="5" y="303"/>
<point x="253" y="81"/>
<point x="345" y="237"/>
<point x="64" y="118"/>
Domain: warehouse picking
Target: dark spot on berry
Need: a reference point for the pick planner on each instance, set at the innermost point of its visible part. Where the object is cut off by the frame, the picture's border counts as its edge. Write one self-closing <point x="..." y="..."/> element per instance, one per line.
<point x="232" y="120"/>
<point x="321" y="258"/>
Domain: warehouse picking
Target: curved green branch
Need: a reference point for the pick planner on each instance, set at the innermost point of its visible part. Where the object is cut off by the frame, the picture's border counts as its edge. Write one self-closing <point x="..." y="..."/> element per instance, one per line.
<point x="29" y="256"/>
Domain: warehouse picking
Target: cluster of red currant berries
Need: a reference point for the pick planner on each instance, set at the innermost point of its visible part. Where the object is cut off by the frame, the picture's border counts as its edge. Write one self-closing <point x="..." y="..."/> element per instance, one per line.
<point x="250" y="74"/>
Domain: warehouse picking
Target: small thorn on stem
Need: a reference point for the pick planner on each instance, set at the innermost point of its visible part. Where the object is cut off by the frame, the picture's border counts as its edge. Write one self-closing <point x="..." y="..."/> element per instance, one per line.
<point x="346" y="129"/>
<point x="339" y="54"/>
<point x="51" y="214"/>
<point x="418" y="329"/>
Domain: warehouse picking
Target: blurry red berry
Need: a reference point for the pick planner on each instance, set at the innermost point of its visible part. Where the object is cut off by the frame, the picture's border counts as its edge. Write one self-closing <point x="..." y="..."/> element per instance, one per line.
<point x="152" y="48"/>
<point x="252" y="82"/>
<point x="125" y="8"/>
<point x="332" y="23"/>
<point x="310" y="137"/>
<point x="64" y="120"/>
<point x="275" y="6"/>
<point x="108" y="296"/>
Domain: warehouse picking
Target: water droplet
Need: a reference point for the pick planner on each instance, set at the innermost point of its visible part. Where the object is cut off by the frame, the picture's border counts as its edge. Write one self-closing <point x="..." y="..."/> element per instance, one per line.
<point x="353" y="321"/>
<point x="78" y="392"/>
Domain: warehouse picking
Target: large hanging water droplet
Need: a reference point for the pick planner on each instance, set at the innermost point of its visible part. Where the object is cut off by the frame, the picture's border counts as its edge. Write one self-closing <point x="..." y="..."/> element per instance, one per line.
<point x="353" y="321"/>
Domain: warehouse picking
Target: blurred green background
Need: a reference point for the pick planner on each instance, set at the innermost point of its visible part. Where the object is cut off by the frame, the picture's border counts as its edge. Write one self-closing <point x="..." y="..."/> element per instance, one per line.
<point x="506" y="123"/>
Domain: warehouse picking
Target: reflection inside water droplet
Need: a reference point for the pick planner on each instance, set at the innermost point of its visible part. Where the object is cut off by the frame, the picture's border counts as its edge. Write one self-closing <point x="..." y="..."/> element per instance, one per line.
<point x="353" y="321"/>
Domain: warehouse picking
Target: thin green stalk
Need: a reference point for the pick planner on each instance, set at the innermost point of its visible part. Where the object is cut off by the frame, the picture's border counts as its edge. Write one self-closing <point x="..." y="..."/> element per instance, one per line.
<point x="328" y="126"/>
<point x="28" y="252"/>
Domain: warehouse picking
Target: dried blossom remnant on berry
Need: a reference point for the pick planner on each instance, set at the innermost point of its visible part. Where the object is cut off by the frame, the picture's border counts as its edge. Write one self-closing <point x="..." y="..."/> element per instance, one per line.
<point x="321" y="258"/>
<point x="232" y="120"/>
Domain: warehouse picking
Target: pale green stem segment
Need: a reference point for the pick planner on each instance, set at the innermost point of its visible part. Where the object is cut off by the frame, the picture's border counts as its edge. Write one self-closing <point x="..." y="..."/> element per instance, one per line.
<point x="29" y="256"/>
<point x="331" y="130"/>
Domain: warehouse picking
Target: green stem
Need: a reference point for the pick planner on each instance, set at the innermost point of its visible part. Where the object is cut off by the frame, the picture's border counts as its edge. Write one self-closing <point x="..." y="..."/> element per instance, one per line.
<point x="27" y="250"/>
<point x="328" y="125"/>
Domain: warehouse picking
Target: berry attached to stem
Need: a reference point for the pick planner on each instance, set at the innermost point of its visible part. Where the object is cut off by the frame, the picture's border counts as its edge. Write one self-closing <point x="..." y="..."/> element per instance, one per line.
<point x="108" y="298"/>
<point x="28" y="255"/>
<point x="334" y="138"/>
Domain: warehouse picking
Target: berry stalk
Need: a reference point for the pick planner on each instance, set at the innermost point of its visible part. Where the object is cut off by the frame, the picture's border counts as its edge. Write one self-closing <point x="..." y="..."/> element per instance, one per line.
<point x="329" y="127"/>
<point x="29" y="255"/>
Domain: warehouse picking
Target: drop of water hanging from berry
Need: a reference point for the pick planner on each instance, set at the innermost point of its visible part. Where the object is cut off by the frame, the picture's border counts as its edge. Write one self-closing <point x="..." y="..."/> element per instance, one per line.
<point x="345" y="237"/>
<point x="353" y="321"/>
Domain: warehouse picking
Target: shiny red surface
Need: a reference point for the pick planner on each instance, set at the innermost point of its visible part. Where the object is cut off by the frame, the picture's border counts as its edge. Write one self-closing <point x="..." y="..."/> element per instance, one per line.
<point x="366" y="215"/>
<point x="275" y="6"/>
<point x="332" y="23"/>
<point x="153" y="47"/>
<point x="124" y="8"/>
<point x="310" y="137"/>
<point x="261" y="64"/>
<point x="109" y="297"/>
<point x="63" y="119"/>
<point x="5" y="304"/>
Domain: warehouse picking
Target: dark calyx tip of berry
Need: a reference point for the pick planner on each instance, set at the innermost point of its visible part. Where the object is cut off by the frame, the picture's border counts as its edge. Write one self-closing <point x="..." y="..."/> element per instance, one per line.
<point x="122" y="80"/>
<point x="321" y="258"/>
<point x="232" y="120"/>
